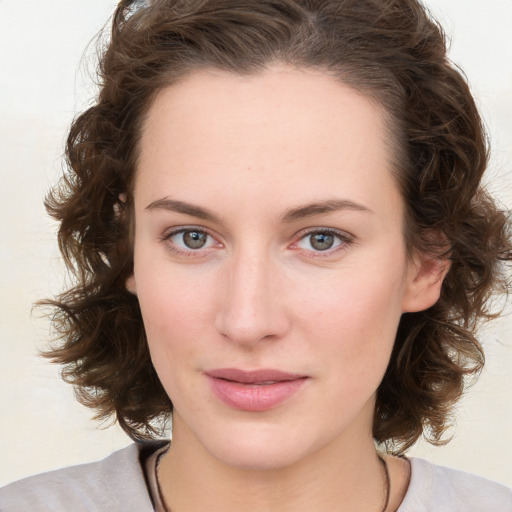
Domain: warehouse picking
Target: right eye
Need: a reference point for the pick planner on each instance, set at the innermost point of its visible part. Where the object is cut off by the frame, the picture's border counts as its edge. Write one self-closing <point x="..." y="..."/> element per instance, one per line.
<point x="186" y="240"/>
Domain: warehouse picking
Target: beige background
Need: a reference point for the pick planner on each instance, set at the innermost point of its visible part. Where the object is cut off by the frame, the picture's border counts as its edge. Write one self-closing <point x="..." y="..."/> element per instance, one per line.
<point x="42" y="86"/>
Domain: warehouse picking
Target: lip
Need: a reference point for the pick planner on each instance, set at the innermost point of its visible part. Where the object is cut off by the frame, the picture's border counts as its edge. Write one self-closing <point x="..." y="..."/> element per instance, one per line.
<point x="255" y="390"/>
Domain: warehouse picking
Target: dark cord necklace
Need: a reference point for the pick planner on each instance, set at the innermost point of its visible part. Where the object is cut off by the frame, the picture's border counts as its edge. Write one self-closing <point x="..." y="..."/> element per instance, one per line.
<point x="387" y="483"/>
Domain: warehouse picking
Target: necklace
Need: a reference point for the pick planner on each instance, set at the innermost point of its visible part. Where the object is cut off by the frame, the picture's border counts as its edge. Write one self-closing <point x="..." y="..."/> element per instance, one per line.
<point x="387" y="483"/>
<point x="387" y="487"/>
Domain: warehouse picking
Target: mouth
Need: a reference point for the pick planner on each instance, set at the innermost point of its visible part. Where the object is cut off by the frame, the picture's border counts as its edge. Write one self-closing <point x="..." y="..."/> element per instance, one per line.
<point x="256" y="390"/>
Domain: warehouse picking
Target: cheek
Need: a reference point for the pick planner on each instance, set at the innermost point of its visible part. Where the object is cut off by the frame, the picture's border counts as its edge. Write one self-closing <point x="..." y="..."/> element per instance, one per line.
<point x="174" y="312"/>
<point x="355" y="299"/>
<point x="354" y="342"/>
<point x="176" y="307"/>
<point x="354" y="316"/>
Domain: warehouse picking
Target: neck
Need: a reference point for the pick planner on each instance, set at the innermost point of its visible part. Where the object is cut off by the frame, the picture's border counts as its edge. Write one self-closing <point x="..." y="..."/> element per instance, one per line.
<point x="344" y="476"/>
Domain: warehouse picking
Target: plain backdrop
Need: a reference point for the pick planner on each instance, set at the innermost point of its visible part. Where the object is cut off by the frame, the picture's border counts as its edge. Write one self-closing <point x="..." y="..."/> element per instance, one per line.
<point x="44" y="82"/>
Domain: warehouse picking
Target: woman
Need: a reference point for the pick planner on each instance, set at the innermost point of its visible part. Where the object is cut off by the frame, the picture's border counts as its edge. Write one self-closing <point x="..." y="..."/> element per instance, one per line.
<point x="275" y="218"/>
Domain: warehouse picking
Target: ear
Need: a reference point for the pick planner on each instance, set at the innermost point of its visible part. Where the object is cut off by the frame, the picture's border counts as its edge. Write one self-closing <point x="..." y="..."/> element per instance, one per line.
<point x="131" y="284"/>
<point x="425" y="277"/>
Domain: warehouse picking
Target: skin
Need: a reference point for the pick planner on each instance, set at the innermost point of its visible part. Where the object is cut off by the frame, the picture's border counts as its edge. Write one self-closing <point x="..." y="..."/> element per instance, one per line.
<point x="253" y="152"/>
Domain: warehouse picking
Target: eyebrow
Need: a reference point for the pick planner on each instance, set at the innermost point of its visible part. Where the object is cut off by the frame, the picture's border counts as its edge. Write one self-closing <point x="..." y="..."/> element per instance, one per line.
<point x="182" y="207"/>
<point x="318" y="208"/>
<point x="290" y="215"/>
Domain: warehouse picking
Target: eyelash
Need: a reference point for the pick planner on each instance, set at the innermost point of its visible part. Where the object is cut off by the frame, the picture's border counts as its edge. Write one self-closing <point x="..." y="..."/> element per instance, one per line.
<point x="344" y="241"/>
<point x="182" y="230"/>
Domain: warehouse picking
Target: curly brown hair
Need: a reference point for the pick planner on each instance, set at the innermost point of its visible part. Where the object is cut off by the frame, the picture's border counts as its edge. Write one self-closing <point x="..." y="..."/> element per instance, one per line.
<point x="394" y="53"/>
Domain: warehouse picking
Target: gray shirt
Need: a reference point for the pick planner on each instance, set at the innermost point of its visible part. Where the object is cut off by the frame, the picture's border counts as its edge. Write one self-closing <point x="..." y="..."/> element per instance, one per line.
<point x="118" y="484"/>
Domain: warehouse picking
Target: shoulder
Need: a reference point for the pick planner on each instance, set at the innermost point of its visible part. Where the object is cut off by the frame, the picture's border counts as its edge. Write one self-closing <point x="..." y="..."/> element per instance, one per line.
<point x="109" y="485"/>
<point x="446" y="490"/>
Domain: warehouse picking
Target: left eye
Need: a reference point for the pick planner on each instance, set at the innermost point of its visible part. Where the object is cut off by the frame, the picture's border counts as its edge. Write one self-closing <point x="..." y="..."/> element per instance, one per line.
<point x="320" y="241"/>
<point x="191" y="239"/>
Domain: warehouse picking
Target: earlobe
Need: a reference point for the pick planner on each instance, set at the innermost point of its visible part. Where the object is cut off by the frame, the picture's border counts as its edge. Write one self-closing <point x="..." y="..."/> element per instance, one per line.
<point x="131" y="284"/>
<point x="424" y="282"/>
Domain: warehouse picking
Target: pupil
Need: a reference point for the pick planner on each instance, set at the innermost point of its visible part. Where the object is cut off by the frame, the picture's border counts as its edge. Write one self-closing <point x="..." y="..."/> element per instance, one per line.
<point x="322" y="241"/>
<point x="194" y="239"/>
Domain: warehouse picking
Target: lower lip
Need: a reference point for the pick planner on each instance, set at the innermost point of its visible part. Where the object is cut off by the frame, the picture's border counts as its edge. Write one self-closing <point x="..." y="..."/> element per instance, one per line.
<point x="254" y="398"/>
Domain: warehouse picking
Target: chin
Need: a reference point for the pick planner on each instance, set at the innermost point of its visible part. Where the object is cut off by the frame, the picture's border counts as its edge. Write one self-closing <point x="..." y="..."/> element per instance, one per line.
<point x="258" y="448"/>
<point x="256" y="457"/>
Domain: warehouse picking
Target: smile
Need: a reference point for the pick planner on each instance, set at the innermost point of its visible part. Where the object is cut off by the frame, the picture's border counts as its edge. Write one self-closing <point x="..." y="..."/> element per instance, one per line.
<point x="254" y="391"/>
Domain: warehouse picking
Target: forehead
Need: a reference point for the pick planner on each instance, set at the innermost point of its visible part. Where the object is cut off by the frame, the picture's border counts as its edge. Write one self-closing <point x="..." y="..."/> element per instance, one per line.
<point x="282" y="126"/>
<point x="287" y="103"/>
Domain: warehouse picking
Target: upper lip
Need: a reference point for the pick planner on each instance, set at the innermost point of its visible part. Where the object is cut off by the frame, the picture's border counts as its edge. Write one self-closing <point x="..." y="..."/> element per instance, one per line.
<point x="253" y="376"/>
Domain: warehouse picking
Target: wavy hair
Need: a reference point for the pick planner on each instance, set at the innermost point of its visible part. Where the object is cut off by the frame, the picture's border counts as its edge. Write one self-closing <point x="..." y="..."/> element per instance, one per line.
<point x="394" y="53"/>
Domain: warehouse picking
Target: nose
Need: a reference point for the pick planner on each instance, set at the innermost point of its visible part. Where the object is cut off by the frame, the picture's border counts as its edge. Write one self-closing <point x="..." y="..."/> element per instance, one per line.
<point x="252" y="307"/>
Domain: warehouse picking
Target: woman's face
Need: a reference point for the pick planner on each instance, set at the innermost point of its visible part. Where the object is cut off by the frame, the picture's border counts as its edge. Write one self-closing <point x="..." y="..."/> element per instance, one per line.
<point x="269" y="262"/>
